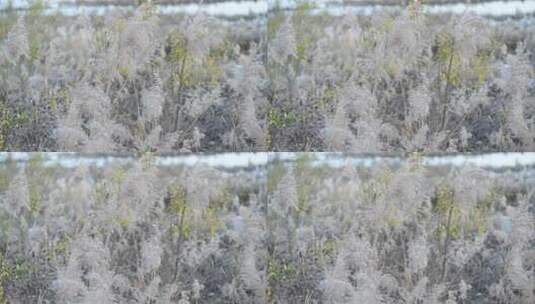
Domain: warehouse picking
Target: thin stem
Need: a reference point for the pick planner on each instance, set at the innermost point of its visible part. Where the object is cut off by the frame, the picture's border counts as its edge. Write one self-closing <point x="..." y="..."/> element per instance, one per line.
<point x="447" y="92"/>
<point x="180" y="238"/>
<point x="446" y="245"/>
<point x="180" y="89"/>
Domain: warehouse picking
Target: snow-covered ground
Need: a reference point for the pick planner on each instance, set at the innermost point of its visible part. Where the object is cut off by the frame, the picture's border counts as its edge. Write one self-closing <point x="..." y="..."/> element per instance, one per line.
<point x="245" y="160"/>
<point x="488" y="160"/>
<point x="224" y="8"/>
<point x="491" y="8"/>
<point x="72" y="160"/>
<point x="259" y="7"/>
